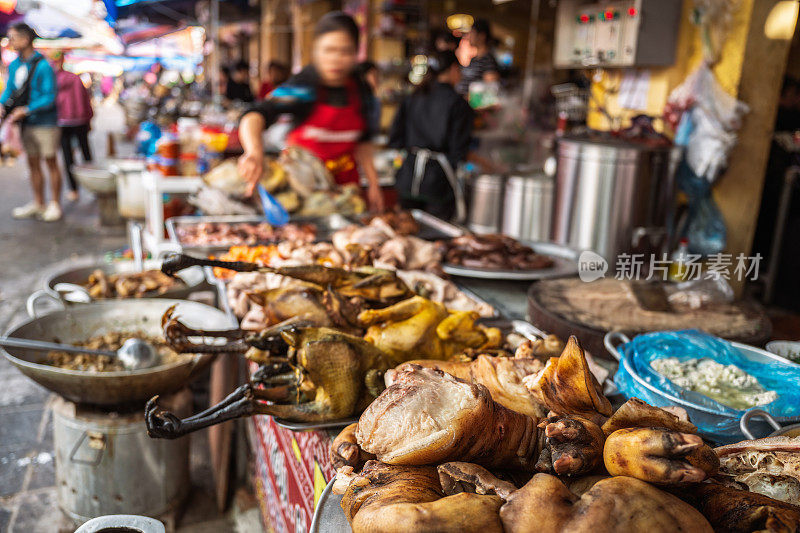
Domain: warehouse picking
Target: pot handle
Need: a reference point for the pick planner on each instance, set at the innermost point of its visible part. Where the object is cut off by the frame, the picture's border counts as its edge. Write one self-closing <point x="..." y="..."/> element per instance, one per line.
<point x="750" y="413"/>
<point x="97" y="442"/>
<point x="30" y="304"/>
<point x="613" y="339"/>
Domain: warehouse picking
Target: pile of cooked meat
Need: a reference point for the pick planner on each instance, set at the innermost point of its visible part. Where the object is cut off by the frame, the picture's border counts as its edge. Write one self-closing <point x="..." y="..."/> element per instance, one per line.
<point x="402" y="222"/>
<point x="444" y="448"/>
<point x="249" y="233"/>
<point x="494" y="252"/>
<point x="111" y="341"/>
<point x="128" y="284"/>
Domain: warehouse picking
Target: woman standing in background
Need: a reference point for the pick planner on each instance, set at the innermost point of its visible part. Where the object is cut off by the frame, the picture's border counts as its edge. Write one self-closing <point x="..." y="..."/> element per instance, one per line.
<point x="74" y="117"/>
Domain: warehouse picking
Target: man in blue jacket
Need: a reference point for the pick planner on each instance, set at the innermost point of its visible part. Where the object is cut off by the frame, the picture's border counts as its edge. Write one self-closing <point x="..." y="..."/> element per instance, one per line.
<point x="30" y="99"/>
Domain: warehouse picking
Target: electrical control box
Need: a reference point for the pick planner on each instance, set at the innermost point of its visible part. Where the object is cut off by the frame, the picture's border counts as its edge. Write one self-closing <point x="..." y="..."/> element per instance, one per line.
<point x="627" y="33"/>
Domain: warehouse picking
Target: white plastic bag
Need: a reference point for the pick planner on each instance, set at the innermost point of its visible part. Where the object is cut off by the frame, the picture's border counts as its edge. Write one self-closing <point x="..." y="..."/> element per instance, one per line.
<point x="715" y="117"/>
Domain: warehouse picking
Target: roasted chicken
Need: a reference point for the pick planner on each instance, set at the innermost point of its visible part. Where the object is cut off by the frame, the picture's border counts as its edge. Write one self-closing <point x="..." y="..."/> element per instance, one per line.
<point x="307" y="374"/>
<point x="418" y="328"/>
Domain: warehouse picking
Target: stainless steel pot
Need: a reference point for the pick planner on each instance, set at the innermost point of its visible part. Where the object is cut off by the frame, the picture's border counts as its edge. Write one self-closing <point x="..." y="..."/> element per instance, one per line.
<point x="486" y="203"/>
<point x="610" y="193"/>
<point x="85" y="321"/>
<point x="528" y="207"/>
<point x="66" y="287"/>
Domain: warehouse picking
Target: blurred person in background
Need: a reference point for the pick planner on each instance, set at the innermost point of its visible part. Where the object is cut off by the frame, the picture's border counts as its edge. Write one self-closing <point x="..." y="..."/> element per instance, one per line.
<point x="74" y="117"/>
<point x="238" y="87"/>
<point x="483" y="66"/>
<point x="30" y="99"/>
<point x="445" y="40"/>
<point x="434" y="126"/>
<point x="330" y="110"/>
<point x="369" y="73"/>
<point x="277" y="74"/>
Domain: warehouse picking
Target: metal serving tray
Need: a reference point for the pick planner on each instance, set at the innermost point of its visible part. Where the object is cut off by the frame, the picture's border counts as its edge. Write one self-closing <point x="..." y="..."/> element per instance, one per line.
<point x="326" y="226"/>
<point x="565" y="264"/>
<point x="328" y="515"/>
<point x="311" y="426"/>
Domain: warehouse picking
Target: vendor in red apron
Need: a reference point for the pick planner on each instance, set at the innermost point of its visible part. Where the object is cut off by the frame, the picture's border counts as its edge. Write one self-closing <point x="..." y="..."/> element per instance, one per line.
<point x="330" y="109"/>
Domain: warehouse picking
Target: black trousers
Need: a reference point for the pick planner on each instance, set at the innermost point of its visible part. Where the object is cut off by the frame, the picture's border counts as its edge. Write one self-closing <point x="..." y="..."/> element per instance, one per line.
<point x="68" y="133"/>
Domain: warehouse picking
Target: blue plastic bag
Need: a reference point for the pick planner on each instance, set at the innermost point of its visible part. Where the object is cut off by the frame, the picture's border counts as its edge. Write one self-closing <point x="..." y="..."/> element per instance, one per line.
<point x="704" y="228"/>
<point x="713" y="419"/>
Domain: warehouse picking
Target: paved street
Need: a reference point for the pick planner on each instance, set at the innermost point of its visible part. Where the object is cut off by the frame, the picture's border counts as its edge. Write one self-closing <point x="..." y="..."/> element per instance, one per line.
<point x="29" y="251"/>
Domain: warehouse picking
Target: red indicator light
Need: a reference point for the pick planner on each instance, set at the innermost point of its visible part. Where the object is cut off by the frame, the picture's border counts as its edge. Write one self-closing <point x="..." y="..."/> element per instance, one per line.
<point x="632" y="11"/>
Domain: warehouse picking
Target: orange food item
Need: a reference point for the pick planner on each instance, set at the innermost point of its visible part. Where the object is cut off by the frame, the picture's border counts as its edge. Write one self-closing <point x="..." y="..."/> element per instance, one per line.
<point x="261" y="254"/>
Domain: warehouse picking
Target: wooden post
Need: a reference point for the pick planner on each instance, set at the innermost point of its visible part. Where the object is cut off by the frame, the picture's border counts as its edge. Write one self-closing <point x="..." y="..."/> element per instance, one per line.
<point x="738" y="192"/>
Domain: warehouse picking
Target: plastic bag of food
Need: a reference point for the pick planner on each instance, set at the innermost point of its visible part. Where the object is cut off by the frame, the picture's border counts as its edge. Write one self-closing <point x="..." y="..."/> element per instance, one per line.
<point x="635" y="368"/>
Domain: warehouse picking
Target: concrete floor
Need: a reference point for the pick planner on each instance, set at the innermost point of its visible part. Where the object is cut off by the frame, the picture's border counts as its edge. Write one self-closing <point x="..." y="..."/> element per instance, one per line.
<point x="29" y="251"/>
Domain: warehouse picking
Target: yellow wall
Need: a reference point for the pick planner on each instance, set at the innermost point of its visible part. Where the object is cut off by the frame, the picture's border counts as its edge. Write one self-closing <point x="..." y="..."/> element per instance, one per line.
<point x="687" y="57"/>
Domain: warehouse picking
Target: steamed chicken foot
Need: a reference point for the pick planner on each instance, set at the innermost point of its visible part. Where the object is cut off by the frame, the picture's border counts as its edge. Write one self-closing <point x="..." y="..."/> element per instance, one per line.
<point x="659" y="456"/>
<point x="176" y="335"/>
<point x="346" y="452"/>
<point x="387" y="498"/>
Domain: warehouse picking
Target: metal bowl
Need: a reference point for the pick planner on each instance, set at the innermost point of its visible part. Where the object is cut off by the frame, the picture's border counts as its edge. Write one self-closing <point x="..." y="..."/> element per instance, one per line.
<point x="95" y="177"/>
<point x="66" y="286"/>
<point x="85" y="321"/>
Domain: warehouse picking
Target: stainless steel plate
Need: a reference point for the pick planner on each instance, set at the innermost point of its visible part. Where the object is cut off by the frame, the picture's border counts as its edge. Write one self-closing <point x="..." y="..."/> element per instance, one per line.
<point x="310" y="426"/>
<point x="565" y="264"/>
<point x="328" y="515"/>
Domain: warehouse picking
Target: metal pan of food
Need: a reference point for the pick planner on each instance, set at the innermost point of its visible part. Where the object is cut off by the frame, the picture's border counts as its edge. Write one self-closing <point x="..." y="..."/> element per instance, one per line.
<point x="559" y="261"/>
<point x="137" y="317"/>
<point x="73" y="285"/>
<point x="328" y="515"/>
<point x="204" y="235"/>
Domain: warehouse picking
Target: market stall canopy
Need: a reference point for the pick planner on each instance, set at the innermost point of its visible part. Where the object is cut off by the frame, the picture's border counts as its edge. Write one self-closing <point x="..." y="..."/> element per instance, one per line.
<point x="73" y="23"/>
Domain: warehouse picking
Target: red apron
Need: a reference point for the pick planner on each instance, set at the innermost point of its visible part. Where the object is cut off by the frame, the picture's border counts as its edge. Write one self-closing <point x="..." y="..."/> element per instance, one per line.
<point x="332" y="133"/>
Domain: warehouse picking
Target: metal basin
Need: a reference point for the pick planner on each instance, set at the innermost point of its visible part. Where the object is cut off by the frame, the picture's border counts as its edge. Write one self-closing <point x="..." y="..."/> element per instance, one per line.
<point x="95" y="177"/>
<point x="85" y="321"/>
<point x="193" y="280"/>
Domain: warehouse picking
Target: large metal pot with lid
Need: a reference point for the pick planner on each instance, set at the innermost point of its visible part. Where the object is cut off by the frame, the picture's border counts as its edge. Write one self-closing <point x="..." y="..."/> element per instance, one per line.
<point x="113" y="388"/>
<point x="613" y="196"/>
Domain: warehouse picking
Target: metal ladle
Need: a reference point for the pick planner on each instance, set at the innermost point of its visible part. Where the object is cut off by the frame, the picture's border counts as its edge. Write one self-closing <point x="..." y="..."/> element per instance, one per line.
<point x="134" y="354"/>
